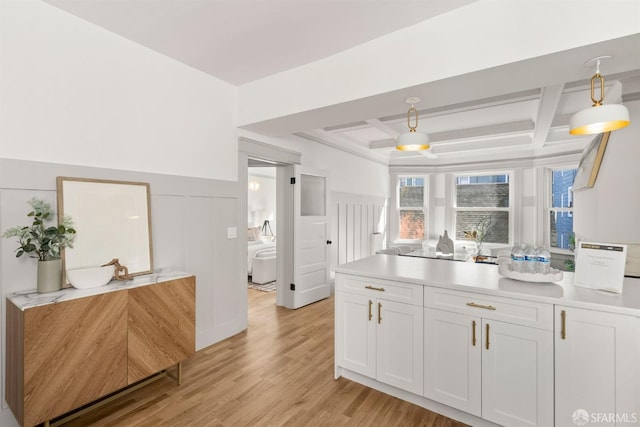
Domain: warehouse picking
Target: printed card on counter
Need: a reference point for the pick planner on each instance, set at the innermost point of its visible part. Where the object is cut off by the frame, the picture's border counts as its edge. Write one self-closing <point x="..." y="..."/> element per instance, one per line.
<point x="600" y="266"/>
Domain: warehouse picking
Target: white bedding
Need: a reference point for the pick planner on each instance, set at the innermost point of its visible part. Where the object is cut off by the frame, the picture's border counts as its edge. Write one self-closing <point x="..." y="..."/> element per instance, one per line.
<point x="260" y="250"/>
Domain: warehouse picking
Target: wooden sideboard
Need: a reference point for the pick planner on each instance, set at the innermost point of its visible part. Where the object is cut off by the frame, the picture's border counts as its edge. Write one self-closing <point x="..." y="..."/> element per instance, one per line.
<point x="63" y="355"/>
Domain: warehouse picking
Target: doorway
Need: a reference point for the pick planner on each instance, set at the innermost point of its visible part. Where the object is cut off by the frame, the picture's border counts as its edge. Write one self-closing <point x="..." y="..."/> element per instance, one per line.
<point x="301" y="249"/>
<point x="261" y="226"/>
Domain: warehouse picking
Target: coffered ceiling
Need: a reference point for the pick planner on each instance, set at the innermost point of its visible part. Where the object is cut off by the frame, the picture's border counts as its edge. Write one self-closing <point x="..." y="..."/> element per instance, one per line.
<point x="514" y="111"/>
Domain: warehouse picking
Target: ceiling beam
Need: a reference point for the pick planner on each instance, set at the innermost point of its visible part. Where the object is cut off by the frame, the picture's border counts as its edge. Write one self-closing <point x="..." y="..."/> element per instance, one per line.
<point x="549" y="101"/>
<point x="383" y="127"/>
<point x="480" y="132"/>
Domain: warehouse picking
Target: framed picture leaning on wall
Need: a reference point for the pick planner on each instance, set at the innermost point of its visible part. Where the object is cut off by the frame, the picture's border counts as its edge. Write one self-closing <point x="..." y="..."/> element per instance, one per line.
<point x="590" y="162"/>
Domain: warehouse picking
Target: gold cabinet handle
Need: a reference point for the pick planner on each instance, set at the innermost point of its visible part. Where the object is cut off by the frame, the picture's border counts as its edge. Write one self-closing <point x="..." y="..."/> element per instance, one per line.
<point x="486" y="307"/>
<point x="379" y="312"/>
<point x="373" y="288"/>
<point x="563" y="323"/>
<point x="370" y="314"/>
<point x="473" y="334"/>
<point x="487" y="327"/>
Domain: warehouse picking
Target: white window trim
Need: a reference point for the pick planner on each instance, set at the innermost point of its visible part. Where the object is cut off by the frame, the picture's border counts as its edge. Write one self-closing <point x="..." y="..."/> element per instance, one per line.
<point x="394" y="225"/>
<point x="510" y="209"/>
<point x="547" y="206"/>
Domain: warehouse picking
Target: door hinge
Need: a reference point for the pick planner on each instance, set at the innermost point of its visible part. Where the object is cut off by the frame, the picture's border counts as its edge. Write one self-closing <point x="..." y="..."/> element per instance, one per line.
<point x="293" y="180"/>
<point x="293" y="286"/>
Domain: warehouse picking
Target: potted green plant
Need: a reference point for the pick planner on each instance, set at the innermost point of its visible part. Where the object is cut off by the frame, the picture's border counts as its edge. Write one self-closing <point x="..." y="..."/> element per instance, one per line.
<point x="44" y="242"/>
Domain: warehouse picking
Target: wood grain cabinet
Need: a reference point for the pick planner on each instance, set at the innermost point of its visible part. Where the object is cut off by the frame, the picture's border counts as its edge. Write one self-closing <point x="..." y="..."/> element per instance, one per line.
<point x="64" y="355"/>
<point x="161" y="326"/>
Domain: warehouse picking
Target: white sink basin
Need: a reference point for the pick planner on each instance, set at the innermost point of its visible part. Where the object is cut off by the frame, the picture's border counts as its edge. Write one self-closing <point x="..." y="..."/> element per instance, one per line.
<point x="94" y="277"/>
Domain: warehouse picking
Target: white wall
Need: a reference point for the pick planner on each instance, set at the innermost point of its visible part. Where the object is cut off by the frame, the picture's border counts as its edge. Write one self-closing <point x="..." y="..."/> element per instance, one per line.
<point x="522" y="29"/>
<point x="348" y="173"/>
<point x="74" y="93"/>
<point x="610" y="211"/>
<point x="262" y="201"/>
<point x="86" y="102"/>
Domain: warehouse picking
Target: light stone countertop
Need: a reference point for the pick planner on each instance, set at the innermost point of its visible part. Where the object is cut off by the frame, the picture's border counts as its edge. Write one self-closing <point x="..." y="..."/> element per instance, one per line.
<point x="485" y="279"/>
<point x="31" y="298"/>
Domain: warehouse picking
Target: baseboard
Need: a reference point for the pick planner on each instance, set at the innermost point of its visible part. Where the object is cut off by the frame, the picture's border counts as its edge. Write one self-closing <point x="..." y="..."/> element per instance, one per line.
<point x="7" y="419"/>
<point x="423" y="402"/>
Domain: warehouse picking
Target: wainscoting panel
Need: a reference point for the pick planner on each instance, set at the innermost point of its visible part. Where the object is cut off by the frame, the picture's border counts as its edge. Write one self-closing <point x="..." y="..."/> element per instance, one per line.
<point x="356" y="218"/>
<point x="190" y="218"/>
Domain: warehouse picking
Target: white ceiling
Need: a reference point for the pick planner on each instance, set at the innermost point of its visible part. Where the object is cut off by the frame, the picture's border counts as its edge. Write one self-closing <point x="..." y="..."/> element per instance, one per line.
<point x="508" y="112"/>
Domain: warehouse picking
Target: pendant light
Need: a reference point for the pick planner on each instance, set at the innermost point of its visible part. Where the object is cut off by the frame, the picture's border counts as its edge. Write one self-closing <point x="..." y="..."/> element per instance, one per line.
<point x="599" y="118"/>
<point x="412" y="140"/>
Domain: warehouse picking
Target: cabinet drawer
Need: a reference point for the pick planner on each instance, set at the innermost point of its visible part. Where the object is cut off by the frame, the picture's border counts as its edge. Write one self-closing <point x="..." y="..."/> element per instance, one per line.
<point x="393" y="291"/>
<point x="526" y="313"/>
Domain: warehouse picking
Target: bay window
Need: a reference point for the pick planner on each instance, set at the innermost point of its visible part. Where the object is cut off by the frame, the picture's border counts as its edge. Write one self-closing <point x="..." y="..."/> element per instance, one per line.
<point x="411" y="196"/>
<point x="560" y="208"/>
<point x="482" y="203"/>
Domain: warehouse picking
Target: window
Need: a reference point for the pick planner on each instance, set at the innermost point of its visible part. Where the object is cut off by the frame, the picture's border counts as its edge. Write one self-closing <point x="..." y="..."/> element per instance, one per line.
<point x="483" y="201"/>
<point x="561" y="208"/>
<point x="411" y="208"/>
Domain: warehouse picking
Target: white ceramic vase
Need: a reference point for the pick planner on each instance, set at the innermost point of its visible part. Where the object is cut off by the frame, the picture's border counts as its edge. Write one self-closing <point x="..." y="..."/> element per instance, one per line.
<point x="49" y="275"/>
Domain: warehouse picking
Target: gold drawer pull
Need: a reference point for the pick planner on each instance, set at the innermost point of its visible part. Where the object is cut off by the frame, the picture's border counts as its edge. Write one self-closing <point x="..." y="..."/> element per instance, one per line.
<point x="379" y="313"/>
<point x="487" y="327"/>
<point x="473" y="337"/>
<point x="486" y="307"/>
<point x="563" y="330"/>
<point x="373" y="288"/>
<point x="370" y="314"/>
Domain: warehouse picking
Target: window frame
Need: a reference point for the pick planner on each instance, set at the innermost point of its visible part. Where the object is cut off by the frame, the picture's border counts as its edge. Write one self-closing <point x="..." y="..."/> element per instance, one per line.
<point x="510" y="209"/>
<point x="548" y="206"/>
<point x="397" y="209"/>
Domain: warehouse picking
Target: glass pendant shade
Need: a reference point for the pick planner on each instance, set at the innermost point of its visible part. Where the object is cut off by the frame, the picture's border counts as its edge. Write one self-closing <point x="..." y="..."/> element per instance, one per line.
<point x="412" y="141"/>
<point x="599" y="119"/>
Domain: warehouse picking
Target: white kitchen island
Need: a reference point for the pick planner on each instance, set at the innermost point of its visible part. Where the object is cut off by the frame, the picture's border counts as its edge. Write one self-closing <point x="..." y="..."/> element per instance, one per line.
<point x="463" y="341"/>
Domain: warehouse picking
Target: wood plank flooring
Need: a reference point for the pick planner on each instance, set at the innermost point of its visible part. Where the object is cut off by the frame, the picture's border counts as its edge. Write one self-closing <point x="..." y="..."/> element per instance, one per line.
<point x="277" y="373"/>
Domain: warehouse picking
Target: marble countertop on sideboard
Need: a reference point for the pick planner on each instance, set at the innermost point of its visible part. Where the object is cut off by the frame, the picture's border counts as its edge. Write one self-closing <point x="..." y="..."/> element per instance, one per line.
<point x="31" y="298"/>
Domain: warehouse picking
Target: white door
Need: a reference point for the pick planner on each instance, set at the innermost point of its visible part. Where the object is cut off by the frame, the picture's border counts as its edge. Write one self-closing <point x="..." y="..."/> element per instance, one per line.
<point x="596" y="366"/>
<point x="517" y="375"/>
<point x="310" y="237"/>
<point x="399" y="345"/>
<point x="452" y="355"/>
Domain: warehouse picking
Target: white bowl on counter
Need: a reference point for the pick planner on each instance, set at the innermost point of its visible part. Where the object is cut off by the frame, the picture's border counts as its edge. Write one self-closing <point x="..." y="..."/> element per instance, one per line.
<point x="93" y="277"/>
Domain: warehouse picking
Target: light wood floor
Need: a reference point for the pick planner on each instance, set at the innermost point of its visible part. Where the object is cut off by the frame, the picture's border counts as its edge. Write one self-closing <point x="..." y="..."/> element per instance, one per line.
<point x="278" y="372"/>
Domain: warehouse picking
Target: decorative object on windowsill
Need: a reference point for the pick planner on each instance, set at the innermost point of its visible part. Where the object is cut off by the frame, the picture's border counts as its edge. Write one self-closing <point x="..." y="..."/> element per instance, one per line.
<point x="412" y="140"/>
<point x="445" y="244"/>
<point x="479" y="232"/>
<point x="44" y="242"/>
<point x="599" y="118"/>
<point x="267" y="233"/>
<point x="121" y="272"/>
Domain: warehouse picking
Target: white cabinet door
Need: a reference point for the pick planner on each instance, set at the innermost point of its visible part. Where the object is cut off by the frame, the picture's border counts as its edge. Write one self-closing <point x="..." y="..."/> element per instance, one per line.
<point x="380" y="339"/>
<point x="517" y="375"/>
<point x="355" y="342"/>
<point x="452" y="347"/>
<point x="596" y="367"/>
<point x="399" y="345"/>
